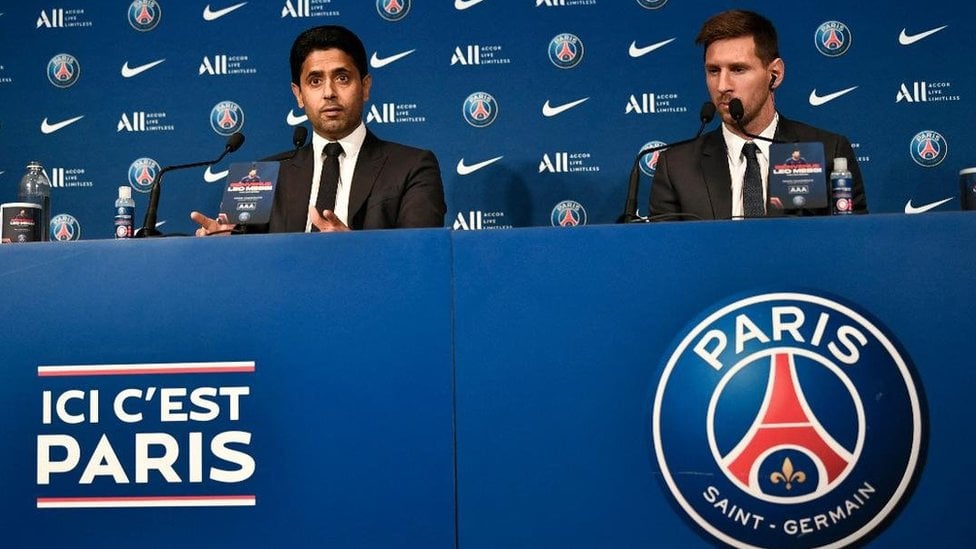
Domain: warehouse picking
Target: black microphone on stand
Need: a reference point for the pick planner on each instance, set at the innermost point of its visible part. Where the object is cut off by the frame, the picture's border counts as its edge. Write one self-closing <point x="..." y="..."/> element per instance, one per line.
<point x="705" y="115"/>
<point x="148" y="229"/>
<point x="298" y="138"/>
<point x="737" y="111"/>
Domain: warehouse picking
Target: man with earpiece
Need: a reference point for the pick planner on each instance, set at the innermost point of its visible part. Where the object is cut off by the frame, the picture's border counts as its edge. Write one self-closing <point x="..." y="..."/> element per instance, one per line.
<point x="723" y="174"/>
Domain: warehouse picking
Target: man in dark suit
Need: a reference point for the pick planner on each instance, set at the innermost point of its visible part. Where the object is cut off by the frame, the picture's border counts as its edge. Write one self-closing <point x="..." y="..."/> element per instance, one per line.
<point x="708" y="178"/>
<point x="347" y="178"/>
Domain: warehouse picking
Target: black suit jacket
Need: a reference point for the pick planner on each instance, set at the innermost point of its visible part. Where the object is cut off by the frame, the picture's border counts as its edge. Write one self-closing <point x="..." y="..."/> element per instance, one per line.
<point x="694" y="178"/>
<point x="393" y="186"/>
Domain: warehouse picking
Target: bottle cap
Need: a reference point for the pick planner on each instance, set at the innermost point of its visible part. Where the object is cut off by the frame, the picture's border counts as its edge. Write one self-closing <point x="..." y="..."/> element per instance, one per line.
<point x="125" y="192"/>
<point x="840" y="164"/>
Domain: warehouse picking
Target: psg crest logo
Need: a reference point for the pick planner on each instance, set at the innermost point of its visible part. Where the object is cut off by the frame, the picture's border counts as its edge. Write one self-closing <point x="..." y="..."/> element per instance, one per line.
<point x="144" y="15"/>
<point x="568" y="213"/>
<point x="63" y="70"/>
<point x="480" y="109"/>
<point x="141" y="174"/>
<point x="566" y="51"/>
<point x="833" y="38"/>
<point x="929" y="148"/>
<point x="800" y="416"/>
<point x="65" y="227"/>
<point x="226" y="118"/>
<point x="648" y="162"/>
<point x="393" y="10"/>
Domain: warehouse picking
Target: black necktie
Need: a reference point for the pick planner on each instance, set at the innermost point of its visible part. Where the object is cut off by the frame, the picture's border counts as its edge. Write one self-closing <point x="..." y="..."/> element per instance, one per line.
<point x="329" y="179"/>
<point x="752" y="187"/>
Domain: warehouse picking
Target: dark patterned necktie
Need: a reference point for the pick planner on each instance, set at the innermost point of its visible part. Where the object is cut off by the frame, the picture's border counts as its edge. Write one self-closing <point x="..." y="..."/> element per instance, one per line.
<point x="752" y="187"/>
<point x="329" y="180"/>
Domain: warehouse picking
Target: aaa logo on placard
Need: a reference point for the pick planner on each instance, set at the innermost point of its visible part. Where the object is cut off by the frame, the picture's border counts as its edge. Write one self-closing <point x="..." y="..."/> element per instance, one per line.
<point x="771" y="399"/>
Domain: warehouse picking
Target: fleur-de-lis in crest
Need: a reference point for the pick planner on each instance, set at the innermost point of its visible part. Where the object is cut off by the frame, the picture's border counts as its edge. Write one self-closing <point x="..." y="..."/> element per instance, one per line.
<point x="788" y="475"/>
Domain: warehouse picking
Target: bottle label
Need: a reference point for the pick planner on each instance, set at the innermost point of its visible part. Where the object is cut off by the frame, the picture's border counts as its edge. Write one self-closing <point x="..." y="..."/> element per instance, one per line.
<point x="841" y="196"/>
<point x="123" y="221"/>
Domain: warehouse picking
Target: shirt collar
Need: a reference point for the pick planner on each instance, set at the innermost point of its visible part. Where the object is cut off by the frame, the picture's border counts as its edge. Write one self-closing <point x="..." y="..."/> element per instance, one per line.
<point x="350" y="143"/>
<point x="734" y="142"/>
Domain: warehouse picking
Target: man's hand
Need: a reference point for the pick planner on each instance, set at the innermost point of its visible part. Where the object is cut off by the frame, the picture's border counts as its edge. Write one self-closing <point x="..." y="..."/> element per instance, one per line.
<point x="209" y="226"/>
<point x="327" y="222"/>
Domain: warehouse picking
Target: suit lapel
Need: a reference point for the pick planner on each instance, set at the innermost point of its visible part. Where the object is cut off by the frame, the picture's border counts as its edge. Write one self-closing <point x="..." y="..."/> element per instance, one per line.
<point x="715" y="171"/>
<point x="295" y="189"/>
<point x="368" y="166"/>
<point x="785" y="131"/>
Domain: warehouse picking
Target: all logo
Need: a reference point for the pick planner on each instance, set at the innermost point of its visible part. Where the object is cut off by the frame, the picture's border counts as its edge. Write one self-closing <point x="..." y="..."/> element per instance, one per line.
<point x="141" y="174"/>
<point x="833" y="38"/>
<point x="774" y="401"/>
<point x="393" y="10"/>
<point x="480" y="109"/>
<point x="144" y="15"/>
<point x="226" y="118"/>
<point x="924" y="92"/>
<point x="648" y="162"/>
<point x="566" y="51"/>
<point x="929" y="148"/>
<point x="568" y="213"/>
<point x="307" y="8"/>
<point x="63" y="70"/>
<point x="651" y="4"/>
<point x="65" y="227"/>
<point x="61" y="18"/>
<point x="141" y="121"/>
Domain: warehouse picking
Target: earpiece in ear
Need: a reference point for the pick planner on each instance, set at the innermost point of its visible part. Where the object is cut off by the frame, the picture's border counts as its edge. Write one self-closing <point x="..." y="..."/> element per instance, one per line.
<point x="772" y="82"/>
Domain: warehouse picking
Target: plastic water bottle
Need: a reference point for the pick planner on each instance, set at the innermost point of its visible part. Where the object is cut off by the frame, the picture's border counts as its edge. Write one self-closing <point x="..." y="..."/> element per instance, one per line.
<point x="35" y="187"/>
<point x="841" y="188"/>
<point x="125" y="211"/>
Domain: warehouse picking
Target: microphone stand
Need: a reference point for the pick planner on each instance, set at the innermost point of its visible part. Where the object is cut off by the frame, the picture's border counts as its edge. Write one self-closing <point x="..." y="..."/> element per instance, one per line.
<point x="706" y="115"/>
<point x="148" y="229"/>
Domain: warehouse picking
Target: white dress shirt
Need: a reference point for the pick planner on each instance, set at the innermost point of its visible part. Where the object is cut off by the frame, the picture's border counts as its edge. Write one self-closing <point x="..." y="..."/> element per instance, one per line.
<point x="737" y="163"/>
<point x="351" y="145"/>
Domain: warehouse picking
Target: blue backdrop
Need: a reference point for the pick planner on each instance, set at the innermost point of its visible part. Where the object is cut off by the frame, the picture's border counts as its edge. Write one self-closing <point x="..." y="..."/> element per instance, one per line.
<point x="99" y="91"/>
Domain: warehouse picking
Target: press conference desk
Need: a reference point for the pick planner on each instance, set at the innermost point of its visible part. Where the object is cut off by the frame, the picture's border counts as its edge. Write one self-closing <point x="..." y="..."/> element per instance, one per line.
<point x="428" y="388"/>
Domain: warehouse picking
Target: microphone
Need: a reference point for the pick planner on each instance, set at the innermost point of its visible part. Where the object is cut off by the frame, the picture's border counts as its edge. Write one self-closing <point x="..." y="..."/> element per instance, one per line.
<point x="148" y="229"/>
<point x="705" y="115"/>
<point x="737" y="111"/>
<point x="298" y="138"/>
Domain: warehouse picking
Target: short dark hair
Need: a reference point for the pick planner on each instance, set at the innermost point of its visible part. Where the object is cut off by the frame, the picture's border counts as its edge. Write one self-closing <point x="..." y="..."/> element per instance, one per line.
<point x="327" y="37"/>
<point x="739" y="23"/>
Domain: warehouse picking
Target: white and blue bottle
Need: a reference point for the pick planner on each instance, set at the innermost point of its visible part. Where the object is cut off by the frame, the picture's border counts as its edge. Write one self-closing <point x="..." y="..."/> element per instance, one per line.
<point x="841" y="188"/>
<point x="125" y="211"/>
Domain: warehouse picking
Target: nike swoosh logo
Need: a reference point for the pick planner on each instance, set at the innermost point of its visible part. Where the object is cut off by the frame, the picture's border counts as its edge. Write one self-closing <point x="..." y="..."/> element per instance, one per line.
<point x="378" y="62"/>
<point x="465" y="4"/>
<point x="213" y="15"/>
<point x="636" y="52"/>
<point x="129" y="72"/>
<point x="294" y="119"/>
<point x="910" y="209"/>
<point x="211" y="177"/>
<point x="51" y="128"/>
<point x="817" y="100"/>
<point x="463" y="169"/>
<point x="906" y="39"/>
<point x="548" y="110"/>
